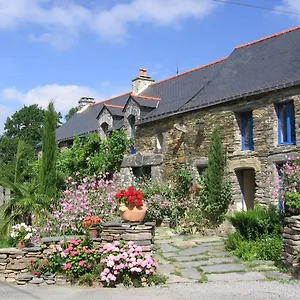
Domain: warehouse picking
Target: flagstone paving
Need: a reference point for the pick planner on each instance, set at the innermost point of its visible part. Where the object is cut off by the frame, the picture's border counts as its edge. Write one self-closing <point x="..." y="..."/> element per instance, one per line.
<point x="201" y="259"/>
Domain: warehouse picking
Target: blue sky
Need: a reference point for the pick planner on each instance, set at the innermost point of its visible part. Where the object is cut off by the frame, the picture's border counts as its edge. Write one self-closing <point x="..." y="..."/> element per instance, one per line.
<point x="65" y="49"/>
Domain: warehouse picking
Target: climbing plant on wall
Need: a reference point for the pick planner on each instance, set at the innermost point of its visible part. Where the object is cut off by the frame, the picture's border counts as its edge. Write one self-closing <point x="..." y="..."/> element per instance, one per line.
<point x="93" y="155"/>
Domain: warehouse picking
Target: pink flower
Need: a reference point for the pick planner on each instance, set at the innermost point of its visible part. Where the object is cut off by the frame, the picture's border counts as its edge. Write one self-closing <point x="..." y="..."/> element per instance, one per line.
<point x="67" y="267"/>
<point x="81" y="263"/>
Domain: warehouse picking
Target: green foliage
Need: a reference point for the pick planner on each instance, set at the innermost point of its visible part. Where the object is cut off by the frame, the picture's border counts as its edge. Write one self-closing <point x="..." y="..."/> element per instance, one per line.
<point x="183" y="180"/>
<point x="49" y="154"/>
<point x="267" y="247"/>
<point x="87" y="279"/>
<point x="93" y="155"/>
<point x="256" y="223"/>
<point x="292" y="199"/>
<point x="25" y="124"/>
<point x="216" y="196"/>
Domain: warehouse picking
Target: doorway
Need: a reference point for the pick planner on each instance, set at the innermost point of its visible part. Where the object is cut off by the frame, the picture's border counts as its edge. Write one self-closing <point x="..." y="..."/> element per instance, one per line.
<point x="246" y="179"/>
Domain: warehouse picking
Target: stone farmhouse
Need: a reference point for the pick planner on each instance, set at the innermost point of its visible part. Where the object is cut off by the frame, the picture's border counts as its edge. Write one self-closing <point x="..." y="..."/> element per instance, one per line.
<point x="253" y="94"/>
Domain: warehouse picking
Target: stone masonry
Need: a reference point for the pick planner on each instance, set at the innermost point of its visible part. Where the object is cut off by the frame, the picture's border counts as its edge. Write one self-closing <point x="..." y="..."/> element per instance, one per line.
<point x="291" y="244"/>
<point x="141" y="235"/>
<point x="187" y="138"/>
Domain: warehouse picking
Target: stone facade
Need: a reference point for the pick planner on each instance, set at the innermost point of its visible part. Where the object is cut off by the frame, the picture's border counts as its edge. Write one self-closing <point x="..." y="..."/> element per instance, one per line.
<point x="291" y="244"/>
<point x="185" y="138"/>
<point x="105" y="122"/>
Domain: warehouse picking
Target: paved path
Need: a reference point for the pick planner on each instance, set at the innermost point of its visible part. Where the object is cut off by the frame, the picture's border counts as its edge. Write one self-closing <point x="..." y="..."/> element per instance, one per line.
<point x="181" y="291"/>
<point x="204" y="259"/>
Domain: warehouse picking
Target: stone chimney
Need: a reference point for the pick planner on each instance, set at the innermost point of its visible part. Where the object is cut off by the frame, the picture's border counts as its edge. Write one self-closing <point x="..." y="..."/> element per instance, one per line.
<point x="85" y="101"/>
<point x="141" y="82"/>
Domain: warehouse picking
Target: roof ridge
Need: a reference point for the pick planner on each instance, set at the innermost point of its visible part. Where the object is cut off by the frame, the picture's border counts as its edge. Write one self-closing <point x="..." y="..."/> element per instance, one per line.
<point x="267" y="37"/>
<point x="103" y="101"/>
<point x="114" y="106"/>
<point x="191" y="70"/>
<point x="145" y="97"/>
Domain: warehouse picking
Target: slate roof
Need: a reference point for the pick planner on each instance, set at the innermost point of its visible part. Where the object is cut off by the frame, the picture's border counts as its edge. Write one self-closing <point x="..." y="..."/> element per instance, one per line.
<point x="86" y="121"/>
<point x="260" y="66"/>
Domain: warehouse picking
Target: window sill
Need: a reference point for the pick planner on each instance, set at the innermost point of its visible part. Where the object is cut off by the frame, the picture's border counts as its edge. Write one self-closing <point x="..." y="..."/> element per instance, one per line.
<point x="245" y="149"/>
<point x="286" y="144"/>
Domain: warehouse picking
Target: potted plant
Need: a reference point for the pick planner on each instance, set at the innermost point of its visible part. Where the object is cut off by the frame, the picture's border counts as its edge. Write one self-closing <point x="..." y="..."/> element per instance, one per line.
<point x="91" y="224"/>
<point x="132" y="208"/>
<point x="22" y="234"/>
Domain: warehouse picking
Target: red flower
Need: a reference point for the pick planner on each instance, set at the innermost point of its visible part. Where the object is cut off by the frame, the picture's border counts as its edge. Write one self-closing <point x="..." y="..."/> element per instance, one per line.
<point x="130" y="196"/>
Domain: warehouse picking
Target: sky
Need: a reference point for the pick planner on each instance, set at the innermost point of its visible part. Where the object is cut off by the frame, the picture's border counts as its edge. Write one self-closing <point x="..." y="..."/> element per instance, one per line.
<point x="62" y="50"/>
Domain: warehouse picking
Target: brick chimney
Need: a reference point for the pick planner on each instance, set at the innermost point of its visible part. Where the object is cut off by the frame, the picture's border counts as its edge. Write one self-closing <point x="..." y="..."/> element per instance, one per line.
<point x="85" y="101"/>
<point x="141" y="82"/>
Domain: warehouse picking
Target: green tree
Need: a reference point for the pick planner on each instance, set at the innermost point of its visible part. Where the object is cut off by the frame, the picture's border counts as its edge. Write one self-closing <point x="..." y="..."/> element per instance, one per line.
<point x="71" y="112"/>
<point x="25" y="124"/>
<point x="48" y="177"/>
<point x="216" y="194"/>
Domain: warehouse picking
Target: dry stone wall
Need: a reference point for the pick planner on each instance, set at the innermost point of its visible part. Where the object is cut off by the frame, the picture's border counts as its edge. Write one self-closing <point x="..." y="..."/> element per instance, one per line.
<point x="291" y="244"/>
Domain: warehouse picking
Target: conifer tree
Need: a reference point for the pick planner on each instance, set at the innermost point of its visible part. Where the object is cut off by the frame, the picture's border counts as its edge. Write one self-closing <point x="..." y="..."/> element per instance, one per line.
<point x="49" y="153"/>
<point x="216" y="196"/>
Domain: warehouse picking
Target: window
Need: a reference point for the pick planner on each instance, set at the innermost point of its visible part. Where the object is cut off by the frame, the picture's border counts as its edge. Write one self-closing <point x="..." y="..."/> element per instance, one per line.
<point x="104" y="127"/>
<point x="142" y="172"/>
<point x="201" y="170"/>
<point x="159" y="142"/>
<point x="286" y="123"/>
<point x="131" y="121"/>
<point x="247" y="130"/>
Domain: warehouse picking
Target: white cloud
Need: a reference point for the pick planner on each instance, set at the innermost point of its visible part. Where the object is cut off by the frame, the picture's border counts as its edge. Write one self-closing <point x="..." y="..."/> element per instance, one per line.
<point x="290" y="5"/>
<point x="64" y="96"/>
<point x="61" y="22"/>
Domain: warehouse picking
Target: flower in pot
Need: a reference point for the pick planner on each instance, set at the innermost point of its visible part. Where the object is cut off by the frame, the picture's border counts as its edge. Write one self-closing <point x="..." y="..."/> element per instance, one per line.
<point x="91" y="224"/>
<point x="22" y="234"/>
<point x="132" y="207"/>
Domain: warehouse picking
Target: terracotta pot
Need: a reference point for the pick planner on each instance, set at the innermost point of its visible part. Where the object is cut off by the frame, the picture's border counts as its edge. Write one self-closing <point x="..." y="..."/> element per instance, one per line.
<point x="133" y="214"/>
<point x="21" y="244"/>
<point x="93" y="233"/>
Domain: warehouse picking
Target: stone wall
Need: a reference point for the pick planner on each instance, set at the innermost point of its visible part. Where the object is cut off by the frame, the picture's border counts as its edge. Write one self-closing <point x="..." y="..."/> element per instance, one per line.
<point x="14" y="262"/>
<point x="187" y="139"/>
<point x="291" y="244"/>
<point x="141" y="235"/>
<point x="4" y="195"/>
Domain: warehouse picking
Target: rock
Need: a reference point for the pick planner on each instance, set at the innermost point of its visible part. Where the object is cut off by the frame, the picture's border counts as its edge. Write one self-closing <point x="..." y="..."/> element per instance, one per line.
<point x="36" y="280"/>
<point x="21" y="282"/>
<point x="50" y="282"/>
<point x="194" y="251"/>
<point x="190" y="258"/>
<point x="11" y="251"/>
<point x="10" y="280"/>
<point x="32" y="249"/>
<point x="137" y="237"/>
<point x="16" y="266"/>
<point x="185" y="244"/>
<point x="112" y="224"/>
<point x="277" y="275"/>
<point x="191" y="273"/>
<point x="2" y="278"/>
<point x="220" y="254"/>
<point x="49" y="277"/>
<point x="193" y="264"/>
<point x="223" y="268"/>
<point x="12" y="275"/>
<point x="57" y="239"/>
<point x="167" y="248"/>
<point x="233" y="277"/>
<point x="61" y="281"/>
<point x="152" y="224"/>
<point x="177" y="279"/>
<point x="222" y="260"/>
<point x="3" y="256"/>
<point x="24" y="277"/>
<point x="165" y="269"/>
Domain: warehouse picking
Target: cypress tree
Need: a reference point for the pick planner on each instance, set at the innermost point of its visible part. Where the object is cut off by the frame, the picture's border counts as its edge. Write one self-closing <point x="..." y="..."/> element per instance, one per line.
<point x="217" y="195"/>
<point x="49" y="153"/>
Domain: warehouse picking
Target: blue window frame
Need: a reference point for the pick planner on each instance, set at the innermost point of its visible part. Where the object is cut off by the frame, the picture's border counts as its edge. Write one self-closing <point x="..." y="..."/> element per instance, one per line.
<point x="286" y="123"/>
<point x="280" y="184"/>
<point x="247" y="130"/>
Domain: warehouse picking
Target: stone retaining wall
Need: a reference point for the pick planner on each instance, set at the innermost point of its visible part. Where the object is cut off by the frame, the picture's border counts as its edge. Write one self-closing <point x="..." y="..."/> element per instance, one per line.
<point x="291" y="244"/>
<point x="14" y="262"/>
<point x="142" y="235"/>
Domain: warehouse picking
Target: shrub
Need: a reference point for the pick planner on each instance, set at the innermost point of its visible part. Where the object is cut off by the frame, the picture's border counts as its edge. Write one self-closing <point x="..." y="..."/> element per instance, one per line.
<point x="256" y="223"/>
<point x="125" y="263"/>
<point x="183" y="180"/>
<point x="158" y="208"/>
<point x="90" y="196"/>
<point x="267" y="247"/>
<point x="216" y="196"/>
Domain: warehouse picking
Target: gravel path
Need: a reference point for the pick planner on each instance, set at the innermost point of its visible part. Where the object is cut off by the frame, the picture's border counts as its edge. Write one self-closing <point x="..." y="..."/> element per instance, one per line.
<point x="184" y="291"/>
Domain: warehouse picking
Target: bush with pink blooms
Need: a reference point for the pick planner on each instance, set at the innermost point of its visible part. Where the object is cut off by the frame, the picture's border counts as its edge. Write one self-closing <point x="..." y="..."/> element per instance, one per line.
<point x="126" y="264"/>
<point x="83" y="197"/>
